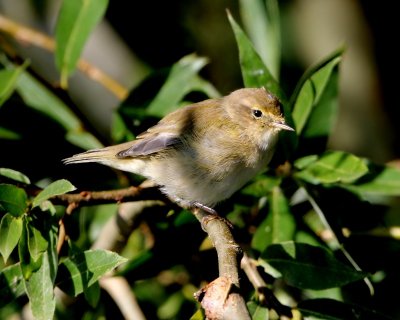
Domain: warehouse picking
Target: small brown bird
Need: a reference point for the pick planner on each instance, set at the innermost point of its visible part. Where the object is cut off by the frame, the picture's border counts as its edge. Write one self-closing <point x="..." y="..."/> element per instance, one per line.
<point x="201" y="154"/>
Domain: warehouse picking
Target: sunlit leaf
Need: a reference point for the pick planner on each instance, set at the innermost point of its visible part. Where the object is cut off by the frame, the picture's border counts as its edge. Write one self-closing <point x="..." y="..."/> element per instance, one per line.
<point x="278" y="226"/>
<point x="14" y="175"/>
<point x="309" y="91"/>
<point x="255" y="74"/>
<point x="80" y="271"/>
<point x="10" y="233"/>
<point x="309" y="267"/>
<point x="56" y="188"/>
<point x="8" y="81"/>
<point x="13" y="199"/>
<point x="182" y="79"/>
<point x="83" y="139"/>
<point x="37" y="243"/>
<point x="261" y="186"/>
<point x="40" y="291"/>
<point x="333" y="167"/>
<point x="383" y="181"/>
<point x="76" y="20"/>
<point x="261" y="20"/>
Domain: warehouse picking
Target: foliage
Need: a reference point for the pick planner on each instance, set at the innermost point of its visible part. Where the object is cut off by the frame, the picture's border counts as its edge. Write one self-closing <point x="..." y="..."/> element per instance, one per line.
<point x="309" y="224"/>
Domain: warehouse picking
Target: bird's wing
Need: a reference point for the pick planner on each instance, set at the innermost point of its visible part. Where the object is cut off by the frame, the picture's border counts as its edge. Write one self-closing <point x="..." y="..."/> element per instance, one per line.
<point x="150" y="144"/>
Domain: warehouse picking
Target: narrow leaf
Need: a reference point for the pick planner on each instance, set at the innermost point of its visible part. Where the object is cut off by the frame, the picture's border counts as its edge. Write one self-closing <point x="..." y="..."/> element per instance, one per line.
<point x="40" y="291"/>
<point x="80" y="271"/>
<point x="383" y="181"/>
<point x="11" y="284"/>
<point x="255" y="74"/>
<point x="279" y="224"/>
<point x="262" y="23"/>
<point x="182" y="79"/>
<point x="310" y="89"/>
<point x="56" y="188"/>
<point x="309" y="267"/>
<point x="333" y="167"/>
<point x="14" y="175"/>
<point x="75" y="22"/>
<point x="37" y="243"/>
<point x="10" y="233"/>
<point x="8" y="81"/>
<point x="8" y="134"/>
<point x="38" y="97"/>
<point x="13" y="199"/>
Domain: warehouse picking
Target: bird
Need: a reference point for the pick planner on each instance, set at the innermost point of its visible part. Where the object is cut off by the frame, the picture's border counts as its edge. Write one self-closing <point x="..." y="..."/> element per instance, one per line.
<point x="201" y="154"/>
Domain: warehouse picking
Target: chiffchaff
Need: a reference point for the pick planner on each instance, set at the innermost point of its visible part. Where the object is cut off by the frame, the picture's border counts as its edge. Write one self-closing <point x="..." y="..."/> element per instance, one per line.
<point x="202" y="153"/>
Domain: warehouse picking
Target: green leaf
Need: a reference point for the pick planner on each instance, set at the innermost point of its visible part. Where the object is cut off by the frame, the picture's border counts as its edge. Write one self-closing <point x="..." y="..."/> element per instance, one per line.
<point x="11" y="284"/>
<point x="257" y="311"/>
<point x="13" y="199"/>
<point x="40" y="291"/>
<point x="262" y="23"/>
<point x="8" y="81"/>
<point x="255" y="74"/>
<point x="10" y="233"/>
<point x="92" y="294"/>
<point x="8" y="134"/>
<point x="56" y="188"/>
<point x="309" y="267"/>
<point x="27" y="264"/>
<point x="332" y="167"/>
<point x="309" y="90"/>
<point x="278" y="226"/>
<point x="383" y="181"/>
<point x="261" y="186"/>
<point x="83" y="139"/>
<point x="37" y="243"/>
<point x="329" y="309"/>
<point x="38" y="97"/>
<point x="14" y="175"/>
<point x="182" y="79"/>
<point x="80" y="271"/>
<point x="75" y="22"/>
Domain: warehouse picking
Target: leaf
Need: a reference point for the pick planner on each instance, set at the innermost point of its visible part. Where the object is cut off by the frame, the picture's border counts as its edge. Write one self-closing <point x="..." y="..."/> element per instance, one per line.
<point x="27" y="264"/>
<point x="10" y="233"/>
<point x="383" y="181"/>
<point x="56" y="188"/>
<point x="8" y="81"/>
<point x="182" y="79"/>
<point x="309" y="267"/>
<point x="80" y="271"/>
<point x="262" y="23"/>
<point x="37" y="243"/>
<point x="333" y="167"/>
<point x="8" y="134"/>
<point x="38" y="97"/>
<point x="261" y="186"/>
<point x="13" y="199"/>
<point x="309" y="90"/>
<point x="84" y="140"/>
<point x="11" y="284"/>
<point x="278" y="226"/>
<point x="257" y="311"/>
<point x="75" y="22"/>
<point x="329" y="309"/>
<point x="14" y="175"/>
<point x="255" y="74"/>
<point x="40" y="291"/>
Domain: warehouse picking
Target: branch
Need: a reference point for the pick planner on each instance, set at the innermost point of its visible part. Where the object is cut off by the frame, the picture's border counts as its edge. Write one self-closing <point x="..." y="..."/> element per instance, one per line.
<point x="33" y="37"/>
<point x="221" y="299"/>
<point x="85" y="198"/>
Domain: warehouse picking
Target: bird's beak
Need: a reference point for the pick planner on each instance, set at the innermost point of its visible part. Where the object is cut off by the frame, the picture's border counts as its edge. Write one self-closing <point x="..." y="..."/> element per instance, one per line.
<point x="282" y="125"/>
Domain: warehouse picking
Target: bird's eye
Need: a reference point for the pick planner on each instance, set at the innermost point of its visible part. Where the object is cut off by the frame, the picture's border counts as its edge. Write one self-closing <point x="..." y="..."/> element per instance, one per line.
<point x="257" y="113"/>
